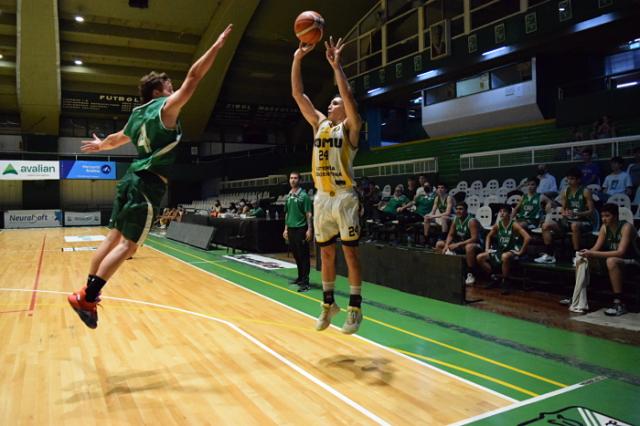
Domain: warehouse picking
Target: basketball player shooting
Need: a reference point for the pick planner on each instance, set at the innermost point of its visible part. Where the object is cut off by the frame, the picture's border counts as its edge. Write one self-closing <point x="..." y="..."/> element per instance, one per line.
<point x="154" y="128"/>
<point x="336" y="204"/>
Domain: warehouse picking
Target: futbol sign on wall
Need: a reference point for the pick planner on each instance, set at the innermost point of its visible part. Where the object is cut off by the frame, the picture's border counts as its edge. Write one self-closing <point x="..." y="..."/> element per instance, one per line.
<point x="29" y="170"/>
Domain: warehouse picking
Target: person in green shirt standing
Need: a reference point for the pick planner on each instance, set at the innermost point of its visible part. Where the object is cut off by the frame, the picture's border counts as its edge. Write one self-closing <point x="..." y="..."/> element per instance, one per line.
<point x="298" y="229"/>
<point x="154" y="129"/>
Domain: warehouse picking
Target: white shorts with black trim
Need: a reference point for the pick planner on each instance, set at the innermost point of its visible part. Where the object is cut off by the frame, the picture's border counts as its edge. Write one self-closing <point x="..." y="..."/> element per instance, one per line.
<point x="336" y="214"/>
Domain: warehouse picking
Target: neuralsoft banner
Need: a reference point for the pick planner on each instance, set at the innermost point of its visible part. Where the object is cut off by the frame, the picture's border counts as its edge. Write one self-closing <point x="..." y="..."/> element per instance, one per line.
<point x="77" y="169"/>
<point x="29" y="170"/>
<point x="81" y="218"/>
<point x="32" y="219"/>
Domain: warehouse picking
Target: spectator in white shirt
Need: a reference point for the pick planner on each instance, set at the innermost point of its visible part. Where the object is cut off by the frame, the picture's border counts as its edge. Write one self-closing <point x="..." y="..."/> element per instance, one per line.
<point x="548" y="185"/>
<point x="634" y="168"/>
<point x="618" y="182"/>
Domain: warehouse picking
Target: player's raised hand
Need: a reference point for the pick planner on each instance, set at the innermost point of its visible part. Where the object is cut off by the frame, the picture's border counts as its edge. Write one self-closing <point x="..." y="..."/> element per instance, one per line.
<point x="93" y="145"/>
<point x="334" y="51"/>
<point x="222" y="38"/>
<point x="303" y="49"/>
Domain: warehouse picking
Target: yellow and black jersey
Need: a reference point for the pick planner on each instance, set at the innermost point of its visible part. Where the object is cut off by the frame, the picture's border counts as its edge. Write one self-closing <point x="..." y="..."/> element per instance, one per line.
<point x="332" y="164"/>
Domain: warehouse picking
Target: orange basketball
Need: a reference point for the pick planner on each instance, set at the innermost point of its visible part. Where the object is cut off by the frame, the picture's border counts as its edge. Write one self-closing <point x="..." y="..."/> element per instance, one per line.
<point x="308" y="27"/>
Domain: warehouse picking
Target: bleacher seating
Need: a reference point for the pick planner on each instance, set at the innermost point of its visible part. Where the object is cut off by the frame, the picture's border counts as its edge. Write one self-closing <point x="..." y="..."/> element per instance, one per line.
<point x="226" y="199"/>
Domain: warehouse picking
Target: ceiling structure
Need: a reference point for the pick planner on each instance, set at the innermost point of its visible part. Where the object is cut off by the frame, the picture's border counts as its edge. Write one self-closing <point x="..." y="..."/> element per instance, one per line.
<point x="117" y="44"/>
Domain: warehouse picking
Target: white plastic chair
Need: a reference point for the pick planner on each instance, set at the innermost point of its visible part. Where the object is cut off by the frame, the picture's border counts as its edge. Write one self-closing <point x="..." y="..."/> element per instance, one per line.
<point x="502" y="193"/>
<point x="493" y="184"/>
<point x="473" y="203"/>
<point x="509" y="184"/>
<point x="621" y="200"/>
<point x="487" y="192"/>
<point x="462" y="186"/>
<point x="484" y="216"/>
<point x="637" y="216"/>
<point x="476" y="187"/>
<point x="491" y="199"/>
<point x="420" y="191"/>
<point x="563" y="184"/>
<point x="625" y="214"/>
<point x="514" y="200"/>
<point x="386" y="191"/>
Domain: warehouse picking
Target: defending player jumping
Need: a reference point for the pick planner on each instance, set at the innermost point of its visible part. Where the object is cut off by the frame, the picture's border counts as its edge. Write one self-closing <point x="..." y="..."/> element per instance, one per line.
<point x="154" y="128"/>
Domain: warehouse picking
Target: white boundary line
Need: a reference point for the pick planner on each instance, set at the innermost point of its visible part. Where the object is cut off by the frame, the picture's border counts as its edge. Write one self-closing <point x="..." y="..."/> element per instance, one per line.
<point x="424" y="364"/>
<point x="249" y="337"/>
<point x="529" y="401"/>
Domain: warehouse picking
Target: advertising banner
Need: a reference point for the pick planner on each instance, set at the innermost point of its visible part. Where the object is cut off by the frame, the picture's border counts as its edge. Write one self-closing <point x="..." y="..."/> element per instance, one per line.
<point x="77" y="169"/>
<point x="82" y="218"/>
<point x="14" y="219"/>
<point x="29" y="170"/>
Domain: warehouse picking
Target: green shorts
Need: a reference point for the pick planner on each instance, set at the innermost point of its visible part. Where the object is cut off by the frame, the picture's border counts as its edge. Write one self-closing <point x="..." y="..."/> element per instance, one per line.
<point x="495" y="259"/>
<point x="138" y="197"/>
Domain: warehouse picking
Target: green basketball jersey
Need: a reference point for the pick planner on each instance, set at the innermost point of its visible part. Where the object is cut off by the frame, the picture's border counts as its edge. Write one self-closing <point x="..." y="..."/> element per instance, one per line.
<point x="152" y="139"/>
<point x="530" y="208"/>
<point x="462" y="228"/>
<point x="506" y="238"/>
<point x="441" y="204"/>
<point x="424" y="203"/>
<point x="612" y="240"/>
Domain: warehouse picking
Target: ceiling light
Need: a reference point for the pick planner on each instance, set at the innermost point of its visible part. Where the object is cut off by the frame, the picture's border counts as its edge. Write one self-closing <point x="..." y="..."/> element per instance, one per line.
<point x="79" y="18"/>
<point x="375" y="91"/>
<point x="77" y="61"/>
<point x="629" y="84"/>
<point x="1" y="56"/>
<point x="561" y="9"/>
<point x="494" y="51"/>
<point x="427" y="74"/>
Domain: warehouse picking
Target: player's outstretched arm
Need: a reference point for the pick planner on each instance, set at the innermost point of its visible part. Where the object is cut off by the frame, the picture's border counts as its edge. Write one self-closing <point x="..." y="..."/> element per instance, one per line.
<point x="196" y="73"/>
<point x="309" y="112"/>
<point x="112" y="141"/>
<point x="353" y="121"/>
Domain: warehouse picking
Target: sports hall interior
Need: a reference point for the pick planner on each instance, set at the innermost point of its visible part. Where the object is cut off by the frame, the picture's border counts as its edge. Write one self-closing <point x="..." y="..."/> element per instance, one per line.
<point x="204" y="325"/>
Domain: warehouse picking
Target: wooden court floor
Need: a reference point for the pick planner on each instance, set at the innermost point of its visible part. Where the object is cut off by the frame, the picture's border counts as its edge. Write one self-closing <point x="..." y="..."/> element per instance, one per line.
<point x="176" y="345"/>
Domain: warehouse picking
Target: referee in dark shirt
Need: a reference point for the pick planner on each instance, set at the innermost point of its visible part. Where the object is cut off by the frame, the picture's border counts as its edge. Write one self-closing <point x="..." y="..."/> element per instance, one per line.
<point x="298" y="228"/>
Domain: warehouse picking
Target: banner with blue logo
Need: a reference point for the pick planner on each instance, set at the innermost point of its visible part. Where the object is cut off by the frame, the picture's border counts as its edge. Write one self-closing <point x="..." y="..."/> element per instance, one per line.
<point x="77" y="169"/>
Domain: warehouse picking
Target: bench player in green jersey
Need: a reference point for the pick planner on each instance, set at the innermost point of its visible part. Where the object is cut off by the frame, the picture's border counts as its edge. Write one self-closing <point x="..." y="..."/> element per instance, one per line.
<point x="617" y="247"/>
<point x="511" y="244"/>
<point x="530" y="210"/>
<point x="155" y="130"/>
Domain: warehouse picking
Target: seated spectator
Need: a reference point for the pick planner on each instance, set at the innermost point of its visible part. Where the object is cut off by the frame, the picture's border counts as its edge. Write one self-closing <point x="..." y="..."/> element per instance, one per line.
<point x="179" y="214"/>
<point x="216" y="210"/>
<point x="590" y="170"/>
<point x="422" y="179"/>
<point x="392" y="207"/>
<point x="618" y="182"/>
<point x="245" y="209"/>
<point x="530" y="212"/>
<point x="464" y="238"/>
<point x="423" y="202"/>
<point x="605" y="128"/>
<point x="412" y="186"/>
<point x="617" y="247"/>
<point x="511" y="244"/>
<point x="232" y="209"/>
<point x="370" y="198"/>
<point x="634" y="168"/>
<point x="577" y="134"/>
<point x="440" y="214"/>
<point x="548" y="185"/>
<point x="256" y="211"/>
<point x="577" y="217"/>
